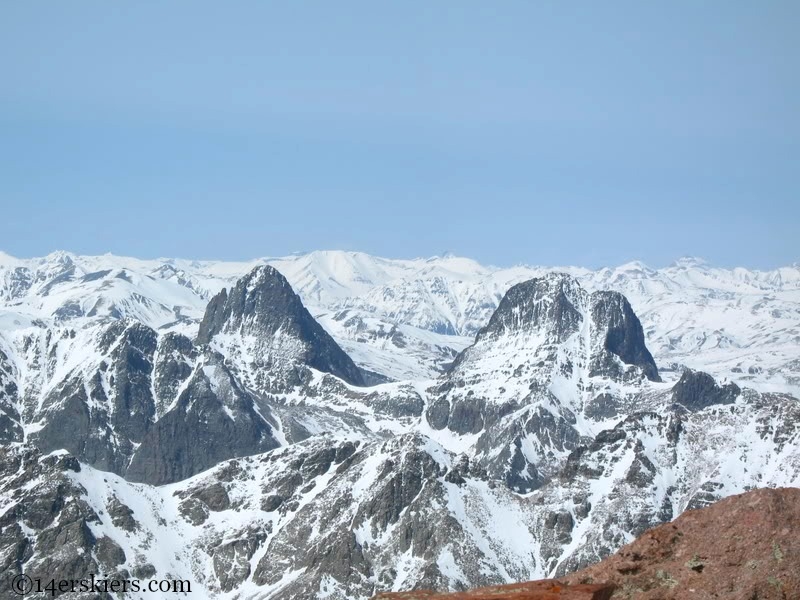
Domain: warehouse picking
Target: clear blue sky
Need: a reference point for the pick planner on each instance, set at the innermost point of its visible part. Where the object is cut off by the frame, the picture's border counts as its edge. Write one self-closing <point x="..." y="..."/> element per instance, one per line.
<point x="542" y="132"/>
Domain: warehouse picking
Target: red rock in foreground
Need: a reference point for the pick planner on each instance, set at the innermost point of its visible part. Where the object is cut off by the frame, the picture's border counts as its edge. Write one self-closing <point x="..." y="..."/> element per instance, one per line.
<point x="745" y="547"/>
<point x="545" y="589"/>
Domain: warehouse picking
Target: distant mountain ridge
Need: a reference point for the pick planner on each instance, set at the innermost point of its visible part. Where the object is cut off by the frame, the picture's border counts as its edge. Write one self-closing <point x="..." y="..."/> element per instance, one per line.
<point x="407" y="319"/>
<point x="145" y="405"/>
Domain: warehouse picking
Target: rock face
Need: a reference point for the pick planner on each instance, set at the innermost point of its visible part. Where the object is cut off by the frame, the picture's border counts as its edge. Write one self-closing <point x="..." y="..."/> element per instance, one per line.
<point x="10" y="421"/>
<point x="550" y="354"/>
<point x="624" y="336"/>
<point x="103" y="408"/>
<point x="155" y="410"/>
<point x="47" y="525"/>
<point x="555" y="307"/>
<point x="213" y="420"/>
<point x="740" y="548"/>
<point x="263" y="308"/>
<point x="696" y="390"/>
<point x="159" y="408"/>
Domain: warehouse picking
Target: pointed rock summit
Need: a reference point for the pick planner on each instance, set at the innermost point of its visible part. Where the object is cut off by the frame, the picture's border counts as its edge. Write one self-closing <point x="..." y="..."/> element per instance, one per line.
<point x="267" y="319"/>
<point x="547" y="312"/>
<point x="546" y="305"/>
<point x="550" y="351"/>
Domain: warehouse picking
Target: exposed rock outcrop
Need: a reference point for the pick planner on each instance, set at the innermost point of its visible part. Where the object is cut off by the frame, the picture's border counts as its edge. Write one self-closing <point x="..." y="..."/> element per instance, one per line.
<point x="744" y="547"/>
<point x="263" y="307"/>
<point x="548" y="589"/>
<point x="697" y="390"/>
<point x="548" y="349"/>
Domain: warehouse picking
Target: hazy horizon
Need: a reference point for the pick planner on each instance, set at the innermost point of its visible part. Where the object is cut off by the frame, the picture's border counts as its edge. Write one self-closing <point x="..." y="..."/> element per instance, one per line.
<point x="442" y="255"/>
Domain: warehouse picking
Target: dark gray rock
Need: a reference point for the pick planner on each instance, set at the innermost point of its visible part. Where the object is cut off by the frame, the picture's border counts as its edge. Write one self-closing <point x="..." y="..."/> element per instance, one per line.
<point x="399" y="405"/>
<point x="542" y="302"/>
<point x="70" y="425"/>
<point x="57" y="540"/>
<point x="401" y="483"/>
<point x="263" y="303"/>
<point x="232" y="559"/>
<point x="10" y="419"/>
<point x="438" y="413"/>
<point x="121" y="515"/>
<point x="467" y="415"/>
<point x="500" y="447"/>
<point x="562" y="523"/>
<point x="272" y="502"/>
<point x="175" y="357"/>
<point x="202" y="430"/>
<point x="697" y="390"/>
<point x="215" y="497"/>
<point x="601" y="407"/>
<point x="100" y="417"/>
<point x="134" y="405"/>
<point x="624" y="336"/>
<point x="642" y="470"/>
<point x="143" y="571"/>
<point x="108" y="552"/>
<point x="194" y="511"/>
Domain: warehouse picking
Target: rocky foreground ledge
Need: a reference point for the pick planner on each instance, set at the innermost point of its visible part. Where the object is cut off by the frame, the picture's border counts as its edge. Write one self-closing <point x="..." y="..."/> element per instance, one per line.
<point x="545" y="589"/>
<point x="745" y="547"/>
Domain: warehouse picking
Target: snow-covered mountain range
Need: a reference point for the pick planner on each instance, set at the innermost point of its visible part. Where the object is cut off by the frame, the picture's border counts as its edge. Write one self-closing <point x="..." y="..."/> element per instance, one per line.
<point x="405" y="319"/>
<point x="334" y="424"/>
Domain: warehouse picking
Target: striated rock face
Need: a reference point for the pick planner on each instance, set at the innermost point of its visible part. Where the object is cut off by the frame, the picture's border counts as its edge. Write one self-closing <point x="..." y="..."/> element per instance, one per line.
<point x="47" y="524"/>
<point x="102" y="410"/>
<point x="548" y="304"/>
<point x="744" y="547"/>
<point x="624" y="336"/>
<point x="264" y="308"/>
<point x="157" y="408"/>
<point x="10" y="427"/>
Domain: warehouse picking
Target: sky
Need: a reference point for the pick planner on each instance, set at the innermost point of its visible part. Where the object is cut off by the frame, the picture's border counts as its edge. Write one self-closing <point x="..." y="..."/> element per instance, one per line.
<point x="553" y="133"/>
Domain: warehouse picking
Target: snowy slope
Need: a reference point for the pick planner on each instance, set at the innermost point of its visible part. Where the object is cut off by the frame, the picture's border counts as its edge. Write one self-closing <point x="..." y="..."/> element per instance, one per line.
<point x="407" y="318"/>
<point x="391" y="514"/>
<point x="530" y="431"/>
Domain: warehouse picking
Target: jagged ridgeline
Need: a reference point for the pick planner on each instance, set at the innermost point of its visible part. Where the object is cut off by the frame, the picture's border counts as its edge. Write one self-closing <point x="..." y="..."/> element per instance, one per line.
<point x="257" y="456"/>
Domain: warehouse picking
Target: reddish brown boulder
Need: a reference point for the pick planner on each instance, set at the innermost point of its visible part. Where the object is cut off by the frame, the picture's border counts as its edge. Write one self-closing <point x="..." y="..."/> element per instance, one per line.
<point x="545" y="589"/>
<point x="745" y="547"/>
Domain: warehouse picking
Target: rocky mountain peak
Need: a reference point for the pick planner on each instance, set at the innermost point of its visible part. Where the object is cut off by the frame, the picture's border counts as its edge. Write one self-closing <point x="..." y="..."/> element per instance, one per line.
<point x="550" y="351"/>
<point x="555" y="309"/>
<point x="550" y="304"/>
<point x="264" y="308"/>
<point x="261" y="299"/>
